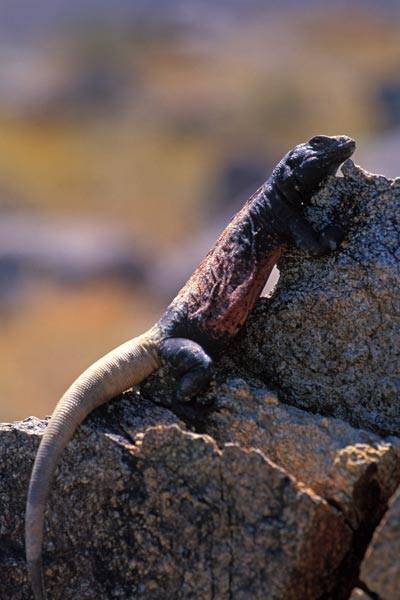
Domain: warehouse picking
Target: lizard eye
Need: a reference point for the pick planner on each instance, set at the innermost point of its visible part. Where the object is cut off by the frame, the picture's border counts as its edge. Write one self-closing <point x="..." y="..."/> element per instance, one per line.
<point x="318" y="140"/>
<point x="291" y="161"/>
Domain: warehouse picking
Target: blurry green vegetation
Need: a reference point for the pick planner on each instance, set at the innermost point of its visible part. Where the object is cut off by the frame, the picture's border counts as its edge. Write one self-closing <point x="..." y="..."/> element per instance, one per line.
<point x="135" y="128"/>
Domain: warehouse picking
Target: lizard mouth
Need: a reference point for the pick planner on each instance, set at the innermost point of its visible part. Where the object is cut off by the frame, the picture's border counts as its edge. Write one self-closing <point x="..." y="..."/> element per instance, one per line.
<point x="345" y="149"/>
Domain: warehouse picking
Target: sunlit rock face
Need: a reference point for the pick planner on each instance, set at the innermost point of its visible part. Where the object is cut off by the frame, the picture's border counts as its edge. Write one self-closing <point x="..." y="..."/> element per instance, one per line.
<point x="329" y="339"/>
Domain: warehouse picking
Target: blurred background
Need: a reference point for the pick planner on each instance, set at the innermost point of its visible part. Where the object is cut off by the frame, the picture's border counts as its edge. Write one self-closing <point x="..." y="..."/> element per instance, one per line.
<point x="130" y="132"/>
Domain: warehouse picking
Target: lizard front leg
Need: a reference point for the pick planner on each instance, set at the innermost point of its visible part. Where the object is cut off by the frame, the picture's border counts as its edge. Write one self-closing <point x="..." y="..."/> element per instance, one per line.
<point x="315" y="243"/>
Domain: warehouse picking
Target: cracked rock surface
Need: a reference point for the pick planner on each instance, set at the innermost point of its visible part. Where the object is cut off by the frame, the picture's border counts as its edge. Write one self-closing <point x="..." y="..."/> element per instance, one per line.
<point x="172" y="516"/>
<point x="141" y="507"/>
<point x="329" y="338"/>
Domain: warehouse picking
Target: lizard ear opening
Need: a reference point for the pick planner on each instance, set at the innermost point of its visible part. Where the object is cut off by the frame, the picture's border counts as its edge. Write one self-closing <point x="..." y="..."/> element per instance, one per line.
<point x="286" y="170"/>
<point x="290" y="161"/>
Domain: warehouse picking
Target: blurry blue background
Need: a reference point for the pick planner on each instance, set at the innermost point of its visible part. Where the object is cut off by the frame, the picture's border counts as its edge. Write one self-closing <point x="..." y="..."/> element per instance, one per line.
<point x="129" y="134"/>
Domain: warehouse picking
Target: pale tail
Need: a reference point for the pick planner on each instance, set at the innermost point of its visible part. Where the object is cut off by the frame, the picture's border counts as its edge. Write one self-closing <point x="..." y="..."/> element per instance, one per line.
<point x="116" y="372"/>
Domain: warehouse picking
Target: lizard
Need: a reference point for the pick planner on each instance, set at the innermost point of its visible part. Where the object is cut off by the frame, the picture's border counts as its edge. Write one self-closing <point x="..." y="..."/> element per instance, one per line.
<point x="205" y="315"/>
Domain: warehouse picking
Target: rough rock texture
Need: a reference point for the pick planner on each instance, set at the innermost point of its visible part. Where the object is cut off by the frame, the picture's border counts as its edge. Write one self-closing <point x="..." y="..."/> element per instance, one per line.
<point x="329" y="338"/>
<point x="143" y="508"/>
<point x="353" y="469"/>
<point x="171" y="516"/>
<point x="380" y="570"/>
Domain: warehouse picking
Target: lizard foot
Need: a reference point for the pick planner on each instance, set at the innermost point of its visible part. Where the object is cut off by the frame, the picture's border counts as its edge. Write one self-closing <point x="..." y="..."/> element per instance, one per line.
<point x="191" y="366"/>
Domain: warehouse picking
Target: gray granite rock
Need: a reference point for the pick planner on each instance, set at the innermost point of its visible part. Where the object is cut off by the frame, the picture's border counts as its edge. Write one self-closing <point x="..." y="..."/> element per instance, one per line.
<point x="143" y="508"/>
<point x="353" y="469"/>
<point x="329" y="338"/>
<point x="165" y="513"/>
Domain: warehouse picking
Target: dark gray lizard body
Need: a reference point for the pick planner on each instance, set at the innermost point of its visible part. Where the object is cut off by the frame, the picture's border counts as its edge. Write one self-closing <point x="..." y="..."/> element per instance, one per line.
<point x="204" y="316"/>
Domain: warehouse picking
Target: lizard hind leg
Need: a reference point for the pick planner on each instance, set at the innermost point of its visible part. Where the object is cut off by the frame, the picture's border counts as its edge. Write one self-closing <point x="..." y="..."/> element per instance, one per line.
<point x="191" y="366"/>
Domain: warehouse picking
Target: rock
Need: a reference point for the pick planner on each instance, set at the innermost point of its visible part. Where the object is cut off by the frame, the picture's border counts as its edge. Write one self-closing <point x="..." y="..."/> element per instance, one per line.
<point x="329" y="338"/>
<point x="89" y="482"/>
<point x="169" y="516"/>
<point x="352" y="469"/>
<point x="380" y="570"/>
<point x="143" y="508"/>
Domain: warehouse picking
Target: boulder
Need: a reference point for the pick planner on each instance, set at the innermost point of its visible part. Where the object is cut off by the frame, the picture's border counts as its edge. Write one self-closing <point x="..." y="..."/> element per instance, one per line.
<point x="142" y="507"/>
<point x="168" y="514"/>
<point x="328" y="340"/>
<point x="353" y="469"/>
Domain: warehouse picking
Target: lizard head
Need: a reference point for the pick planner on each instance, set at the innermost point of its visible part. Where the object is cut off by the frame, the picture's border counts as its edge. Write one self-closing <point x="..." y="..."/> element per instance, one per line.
<point x="302" y="170"/>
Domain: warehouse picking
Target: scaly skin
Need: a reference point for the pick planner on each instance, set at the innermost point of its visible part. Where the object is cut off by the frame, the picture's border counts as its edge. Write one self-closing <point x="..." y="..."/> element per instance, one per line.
<point x="205" y="315"/>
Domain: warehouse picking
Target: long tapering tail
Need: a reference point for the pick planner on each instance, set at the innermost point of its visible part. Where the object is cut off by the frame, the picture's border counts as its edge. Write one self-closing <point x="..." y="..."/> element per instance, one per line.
<point x="116" y="372"/>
